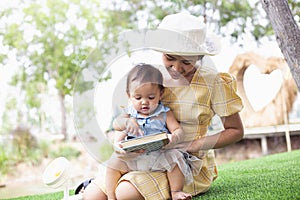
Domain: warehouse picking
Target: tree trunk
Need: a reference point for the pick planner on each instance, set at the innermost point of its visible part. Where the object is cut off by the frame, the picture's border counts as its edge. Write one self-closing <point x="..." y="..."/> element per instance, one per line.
<point x="63" y="115"/>
<point x="287" y="33"/>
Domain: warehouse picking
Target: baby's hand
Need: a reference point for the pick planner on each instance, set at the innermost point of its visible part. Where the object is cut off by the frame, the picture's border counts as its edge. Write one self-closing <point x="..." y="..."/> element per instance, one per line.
<point x="133" y="127"/>
<point x="121" y="153"/>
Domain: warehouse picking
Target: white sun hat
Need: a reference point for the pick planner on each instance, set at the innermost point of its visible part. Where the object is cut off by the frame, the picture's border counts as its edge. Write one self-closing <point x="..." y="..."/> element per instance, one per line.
<point x="186" y="35"/>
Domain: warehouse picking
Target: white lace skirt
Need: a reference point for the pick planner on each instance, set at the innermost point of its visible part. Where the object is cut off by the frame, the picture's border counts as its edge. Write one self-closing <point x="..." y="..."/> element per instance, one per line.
<point x="166" y="160"/>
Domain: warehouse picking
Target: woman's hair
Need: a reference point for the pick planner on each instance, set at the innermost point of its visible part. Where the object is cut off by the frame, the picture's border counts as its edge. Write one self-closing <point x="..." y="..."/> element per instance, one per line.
<point x="144" y="73"/>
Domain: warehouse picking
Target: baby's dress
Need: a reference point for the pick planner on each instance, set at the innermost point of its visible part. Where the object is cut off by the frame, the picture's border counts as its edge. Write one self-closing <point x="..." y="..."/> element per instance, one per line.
<point x="164" y="159"/>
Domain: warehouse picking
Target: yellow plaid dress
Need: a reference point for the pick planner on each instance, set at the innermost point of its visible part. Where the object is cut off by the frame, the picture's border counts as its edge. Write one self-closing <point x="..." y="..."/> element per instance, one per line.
<point x="209" y="93"/>
<point x="194" y="106"/>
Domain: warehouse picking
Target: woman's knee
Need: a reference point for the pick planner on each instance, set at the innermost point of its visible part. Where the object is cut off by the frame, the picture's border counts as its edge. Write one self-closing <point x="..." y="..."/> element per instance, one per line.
<point x="127" y="191"/>
<point x="93" y="192"/>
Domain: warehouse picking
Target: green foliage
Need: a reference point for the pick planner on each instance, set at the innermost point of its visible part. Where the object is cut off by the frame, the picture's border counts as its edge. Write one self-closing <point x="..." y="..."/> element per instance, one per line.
<point x="53" y="60"/>
<point x="44" y="148"/>
<point x="234" y="11"/>
<point x="33" y="156"/>
<point x="260" y="30"/>
<point x="65" y="151"/>
<point x="106" y="150"/>
<point x="12" y="155"/>
<point x="62" y="34"/>
<point x="23" y="143"/>
<point x="295" y="8"/>
<point x="13" y="37"/>
<point x="239" y="13"/>
<point x="218" y="13"/>
<point x="23" y="147"/>
<point x="4" y="160"/>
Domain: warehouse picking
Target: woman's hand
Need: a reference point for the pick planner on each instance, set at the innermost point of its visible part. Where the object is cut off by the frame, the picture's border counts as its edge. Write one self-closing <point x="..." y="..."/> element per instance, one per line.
<point x="194" y="146"/>
<point x="186" y="146"/>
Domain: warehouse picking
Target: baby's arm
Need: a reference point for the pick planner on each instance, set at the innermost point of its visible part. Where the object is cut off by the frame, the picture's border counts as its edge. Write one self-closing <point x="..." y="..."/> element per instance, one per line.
<point x="124" y="123"/>
<point x="119" y="123"/>
<point x="118" y="137"/>
<point x="177" y="134"/>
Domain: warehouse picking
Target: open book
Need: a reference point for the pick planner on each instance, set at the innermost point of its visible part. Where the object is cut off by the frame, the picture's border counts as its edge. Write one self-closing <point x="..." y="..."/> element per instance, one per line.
<point x="148" y="143"/>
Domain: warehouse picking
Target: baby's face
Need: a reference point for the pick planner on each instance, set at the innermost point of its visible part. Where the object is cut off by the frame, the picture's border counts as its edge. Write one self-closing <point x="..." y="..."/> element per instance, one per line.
<point x="145" y="98"/>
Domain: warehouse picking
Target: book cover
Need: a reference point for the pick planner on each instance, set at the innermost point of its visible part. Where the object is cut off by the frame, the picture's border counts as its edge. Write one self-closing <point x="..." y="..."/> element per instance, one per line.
<point x="148" y="143"/>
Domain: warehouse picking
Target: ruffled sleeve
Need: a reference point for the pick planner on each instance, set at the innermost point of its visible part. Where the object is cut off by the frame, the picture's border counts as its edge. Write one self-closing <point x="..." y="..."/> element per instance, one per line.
<point x="225" y="101"/>
<point x="160" y="109"/>
<point x="131" y="111"/>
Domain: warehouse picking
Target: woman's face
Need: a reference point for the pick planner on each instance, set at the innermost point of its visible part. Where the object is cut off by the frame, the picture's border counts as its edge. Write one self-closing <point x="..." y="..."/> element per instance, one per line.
<point x="180" y="66"/>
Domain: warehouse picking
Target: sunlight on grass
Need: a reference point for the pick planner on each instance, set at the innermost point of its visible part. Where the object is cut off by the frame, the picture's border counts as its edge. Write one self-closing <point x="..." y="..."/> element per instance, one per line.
<point x="271" y="177"/>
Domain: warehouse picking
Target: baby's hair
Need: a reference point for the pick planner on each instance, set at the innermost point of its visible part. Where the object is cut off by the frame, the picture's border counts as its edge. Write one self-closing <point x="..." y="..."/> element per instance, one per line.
<point x="144" y="73"/>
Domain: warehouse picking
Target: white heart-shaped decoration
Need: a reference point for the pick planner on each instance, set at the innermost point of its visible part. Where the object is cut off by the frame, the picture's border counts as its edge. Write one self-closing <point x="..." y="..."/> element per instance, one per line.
<point x="261" y="89"/>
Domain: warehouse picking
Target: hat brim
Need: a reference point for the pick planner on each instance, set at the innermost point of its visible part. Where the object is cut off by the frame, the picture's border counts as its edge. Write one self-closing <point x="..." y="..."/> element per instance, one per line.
<point x="184" y="53"/>
<point x="170" y="42"/>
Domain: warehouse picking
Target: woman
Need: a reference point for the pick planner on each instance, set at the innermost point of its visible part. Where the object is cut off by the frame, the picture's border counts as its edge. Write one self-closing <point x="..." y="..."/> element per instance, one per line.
<point x="195" y="93"/>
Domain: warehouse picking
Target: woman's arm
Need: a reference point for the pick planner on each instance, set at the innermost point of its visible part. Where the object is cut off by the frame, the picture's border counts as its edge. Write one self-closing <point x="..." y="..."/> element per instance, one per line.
<point x="233" y="132"/>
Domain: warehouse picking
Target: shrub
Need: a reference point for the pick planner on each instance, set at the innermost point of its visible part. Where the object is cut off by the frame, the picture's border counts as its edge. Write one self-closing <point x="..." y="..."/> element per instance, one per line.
<point x="65" y="151"/>
<point x="4" y="168"/>
<point x="23" y="142"/>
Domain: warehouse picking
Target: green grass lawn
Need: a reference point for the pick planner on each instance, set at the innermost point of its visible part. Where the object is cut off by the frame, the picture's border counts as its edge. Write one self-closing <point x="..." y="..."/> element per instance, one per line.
<point x="271" y="177"/>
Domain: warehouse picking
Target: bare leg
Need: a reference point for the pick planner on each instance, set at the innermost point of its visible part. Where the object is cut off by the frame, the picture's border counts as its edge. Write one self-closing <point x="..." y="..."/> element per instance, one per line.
<point x="114" y="171"/>
<point x="176" y="181"/>
<point x="93" y="192"/>
<point x="126" y="191"/>
<point x="112" y="178"/>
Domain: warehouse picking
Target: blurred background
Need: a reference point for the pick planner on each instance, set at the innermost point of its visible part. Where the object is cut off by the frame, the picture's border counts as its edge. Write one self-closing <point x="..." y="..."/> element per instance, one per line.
<point x="44" y="46"/>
